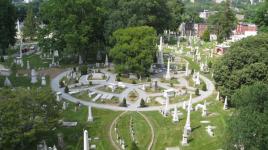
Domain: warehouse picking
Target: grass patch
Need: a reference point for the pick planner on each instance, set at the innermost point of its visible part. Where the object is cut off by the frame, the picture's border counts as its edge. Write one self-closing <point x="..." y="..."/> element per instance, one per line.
<point x="73" y="137"/>
<point x="169" y="134"/>
<point x="118" y="90"/>
<point x="141" y="129"/>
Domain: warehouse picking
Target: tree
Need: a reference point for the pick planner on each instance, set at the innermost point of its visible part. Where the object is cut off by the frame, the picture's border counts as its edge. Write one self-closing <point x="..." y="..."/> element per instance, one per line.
<point x="206" y="36"/>
<point x="7" y="25"/>
<point x="73" y="28"/>
<point x="27" y="117"/>
<point x="204" y="87"/>
<point x="176" y="8"/>
<point x="142" y="103"/>
<point x="247" y="126"/>
<point x="30" y="24"/>
<point x="134" y="50"/>
<point x="222" y="23"/>
<point x="134" y="146"/>
<point x="243" y="64"/>
<point x="261" y="18"/>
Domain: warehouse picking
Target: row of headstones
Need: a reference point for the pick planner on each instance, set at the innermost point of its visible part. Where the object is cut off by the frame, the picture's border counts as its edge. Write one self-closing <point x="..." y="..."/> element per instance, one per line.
<point x="34" y="80"/>
<point x="132" y="132"/>
<point x="119" y="140"/>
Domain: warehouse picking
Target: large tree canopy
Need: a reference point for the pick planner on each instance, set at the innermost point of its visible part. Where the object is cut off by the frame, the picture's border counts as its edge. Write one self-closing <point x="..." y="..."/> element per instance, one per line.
<point x="222" y="23"/>
<point x="248" y="125"/>
<point x="27" y="117"/>
<point x="7" y="25"/>
<point x="243" y="64"/>
<point x="134" y="50"/>
<point x="76" y="27"/>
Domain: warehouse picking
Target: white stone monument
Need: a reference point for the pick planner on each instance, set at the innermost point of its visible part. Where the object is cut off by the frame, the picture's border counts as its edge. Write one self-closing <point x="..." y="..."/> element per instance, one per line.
<point x="175" y="115"/>
<point x="58" y="96"/>
<point x="168" y="70"/>
<point x="64" y="106"/>
<point x="7" y="82"/>
<point x="86" y="143"/>
<point x="187" y="127"/>
<point x="204" y="110"/>
<point x="197" y="80"/>
<point x="165" y="112"/>
<point x="218" y="96"/>
<point x="43" y="82"/>
<point x="160" y="59"/>
<point x="106" y="61"/>
<point x="90" y="117"/>
<point x="28" y="65"/>
<point x="225" y="105"/>
<point x="33" y="76"/>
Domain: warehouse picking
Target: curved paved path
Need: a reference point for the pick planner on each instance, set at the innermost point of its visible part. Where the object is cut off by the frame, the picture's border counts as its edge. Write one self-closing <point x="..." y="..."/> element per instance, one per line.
<point x="55" y="87"/>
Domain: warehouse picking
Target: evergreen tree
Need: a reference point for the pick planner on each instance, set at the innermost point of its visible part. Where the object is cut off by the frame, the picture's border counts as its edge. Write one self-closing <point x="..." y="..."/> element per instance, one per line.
<point x="124" y="103"/>
<point x="206" y="36"/>
<point x="7" y="25"/>
<point x="197" y="92"/>
<point x="30" y="24"/>
<point x="142" y="103"/>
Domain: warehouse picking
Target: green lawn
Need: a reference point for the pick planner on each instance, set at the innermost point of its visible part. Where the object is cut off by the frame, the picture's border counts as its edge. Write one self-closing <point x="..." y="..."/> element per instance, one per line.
<point x="22" y="81"/>
<point x="36" y="62"/>
<point x="84" y="96"/>
<point x="118" y="90"/>
<point x="141" y="129"/>
<point x="73" y="137"/>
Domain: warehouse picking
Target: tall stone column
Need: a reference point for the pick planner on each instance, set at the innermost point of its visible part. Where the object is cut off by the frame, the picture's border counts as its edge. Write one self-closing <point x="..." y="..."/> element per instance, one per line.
<point x="86" y="144"/>
<point x="160" y="59"/>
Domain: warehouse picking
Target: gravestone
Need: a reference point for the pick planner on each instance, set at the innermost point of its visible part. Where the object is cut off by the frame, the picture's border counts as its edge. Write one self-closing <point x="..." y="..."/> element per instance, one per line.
<point x="225" y="105"/>
<point x="7" y="82"/>
<point x="175" y="115"/>
<point x="60" y="141"/>
<point x="218" y="96"/>
<point x="168" y="70"/>
<point x="43" y="82"/>
<point x="106" y="61"/>
<point x="204" y="110"/>
<point x="58" y="96"/>
<point x="64" y="105"/>
<point x="28" y="65"/>
<point x="33" y="76"/>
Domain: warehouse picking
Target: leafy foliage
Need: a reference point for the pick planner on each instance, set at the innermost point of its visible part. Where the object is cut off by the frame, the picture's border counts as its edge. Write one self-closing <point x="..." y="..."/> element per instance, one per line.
<point x="222" y="23"/>
<point x="27" y="117"/>
<point x="243" y="64"/>
<point x="134" y="50"/>
<point x="248" y="124"/>
<point x="30" y="24"/>
<point x="206" y="36"/>
<point x="7" y="25"/>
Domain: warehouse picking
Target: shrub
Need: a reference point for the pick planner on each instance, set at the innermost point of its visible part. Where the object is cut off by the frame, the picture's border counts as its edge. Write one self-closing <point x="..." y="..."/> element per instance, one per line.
<point x="204" y="87"/>
<point x="66" y="90"/>
<point x="90" y="83"/>
<point x="142" y="103"/>
<point x="61" y="84"/>
<point x="118" y="78"/>
<point x="197" y="92"/>
<point x="83" y="70"/>
<point x="124" y="103"/>
<point x="134" y="82"/>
